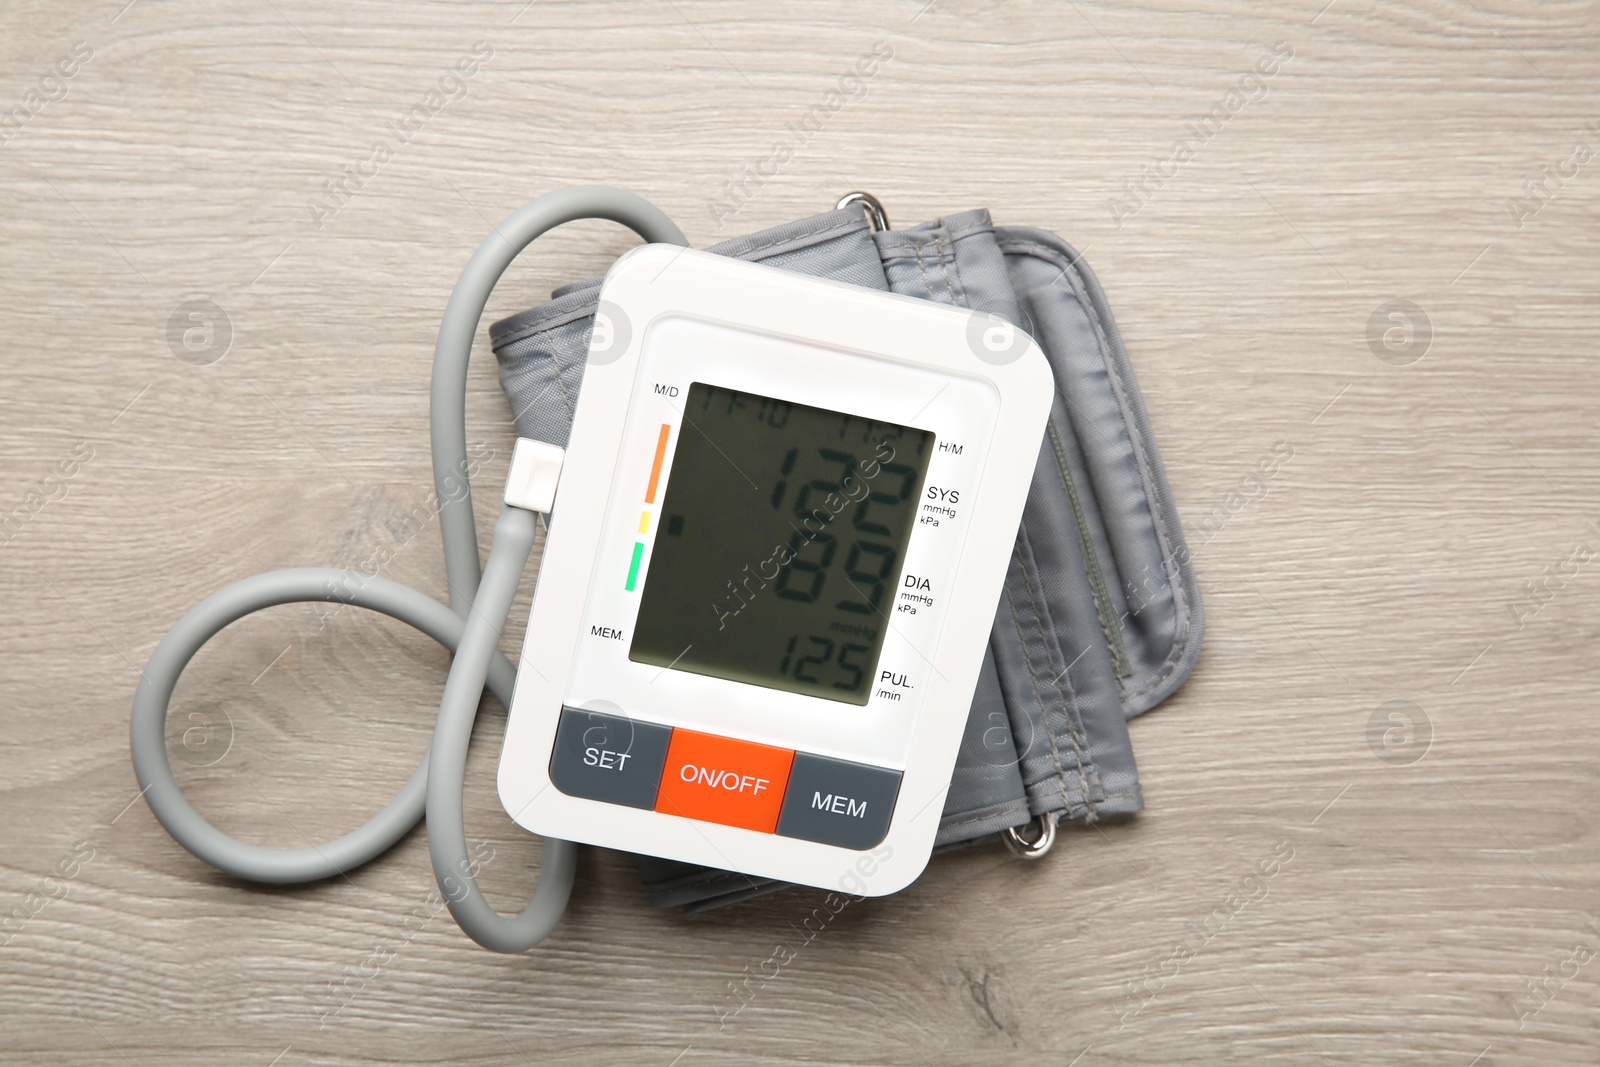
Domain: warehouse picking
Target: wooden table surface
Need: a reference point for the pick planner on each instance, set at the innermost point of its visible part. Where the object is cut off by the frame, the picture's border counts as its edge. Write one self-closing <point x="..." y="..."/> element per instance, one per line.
<point x="1380" y="258"/>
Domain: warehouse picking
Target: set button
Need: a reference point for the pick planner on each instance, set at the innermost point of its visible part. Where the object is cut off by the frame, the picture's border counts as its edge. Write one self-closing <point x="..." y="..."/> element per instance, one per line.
<point x="694" y="775"/>
<point x="608" y="757"/>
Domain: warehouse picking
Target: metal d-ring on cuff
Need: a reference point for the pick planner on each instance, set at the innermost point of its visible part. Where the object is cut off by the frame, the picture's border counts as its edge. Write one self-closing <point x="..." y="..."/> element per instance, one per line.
<point x="1040" y="839"/>
<point x="871" y="205"/>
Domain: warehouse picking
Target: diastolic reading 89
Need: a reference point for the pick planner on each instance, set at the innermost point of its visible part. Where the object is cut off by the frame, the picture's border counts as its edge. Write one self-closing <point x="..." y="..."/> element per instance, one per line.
<point x="779" y="544"/>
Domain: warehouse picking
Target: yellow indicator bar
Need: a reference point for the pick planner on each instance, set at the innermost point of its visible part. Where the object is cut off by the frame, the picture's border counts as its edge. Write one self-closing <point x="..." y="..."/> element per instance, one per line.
<point x="644" y="522"/>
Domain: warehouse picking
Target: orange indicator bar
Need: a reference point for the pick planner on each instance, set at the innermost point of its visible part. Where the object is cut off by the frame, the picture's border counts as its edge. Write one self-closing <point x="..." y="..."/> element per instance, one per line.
<point x="655" y="467"/>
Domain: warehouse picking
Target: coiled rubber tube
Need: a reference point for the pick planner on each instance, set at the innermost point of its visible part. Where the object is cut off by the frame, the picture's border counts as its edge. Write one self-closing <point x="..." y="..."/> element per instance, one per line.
<point x="470" y="627"/>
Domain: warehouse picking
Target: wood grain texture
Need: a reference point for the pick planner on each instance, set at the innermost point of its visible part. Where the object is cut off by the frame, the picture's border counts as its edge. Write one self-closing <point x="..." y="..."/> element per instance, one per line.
<point x="1428" y="906"/>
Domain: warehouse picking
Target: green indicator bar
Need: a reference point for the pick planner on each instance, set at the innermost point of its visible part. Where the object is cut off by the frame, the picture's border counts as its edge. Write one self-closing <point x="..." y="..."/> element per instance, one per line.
<point x="633" y="567"/>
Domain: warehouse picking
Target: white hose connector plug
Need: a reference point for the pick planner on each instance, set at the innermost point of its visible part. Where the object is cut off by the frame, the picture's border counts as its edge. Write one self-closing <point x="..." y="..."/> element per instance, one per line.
<point x="535" y="473"/>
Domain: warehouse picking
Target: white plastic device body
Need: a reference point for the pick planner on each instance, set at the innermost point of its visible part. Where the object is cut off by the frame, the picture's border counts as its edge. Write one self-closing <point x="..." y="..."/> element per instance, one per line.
<point x="673" y="318"/>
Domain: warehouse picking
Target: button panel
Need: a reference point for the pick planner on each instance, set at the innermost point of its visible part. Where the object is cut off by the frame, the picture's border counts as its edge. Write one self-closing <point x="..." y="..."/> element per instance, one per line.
<point x="619" y="760"/>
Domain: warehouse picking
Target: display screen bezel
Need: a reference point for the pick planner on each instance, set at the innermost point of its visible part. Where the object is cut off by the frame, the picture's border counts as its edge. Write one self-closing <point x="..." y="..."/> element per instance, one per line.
<point x="678" y="350"/>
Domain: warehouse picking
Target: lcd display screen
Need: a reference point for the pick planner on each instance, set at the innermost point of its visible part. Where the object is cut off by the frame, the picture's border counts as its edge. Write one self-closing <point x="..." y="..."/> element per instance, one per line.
<point x="779" y="544"/>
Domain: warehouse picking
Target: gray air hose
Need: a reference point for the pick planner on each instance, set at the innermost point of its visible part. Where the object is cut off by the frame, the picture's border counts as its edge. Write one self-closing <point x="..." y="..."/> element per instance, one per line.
<point x="470" y="627"/>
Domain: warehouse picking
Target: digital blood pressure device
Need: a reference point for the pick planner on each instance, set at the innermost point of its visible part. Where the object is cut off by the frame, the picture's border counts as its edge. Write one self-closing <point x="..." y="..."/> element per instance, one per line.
<point x="778" y="537"/>
<point x="778" y="534"/>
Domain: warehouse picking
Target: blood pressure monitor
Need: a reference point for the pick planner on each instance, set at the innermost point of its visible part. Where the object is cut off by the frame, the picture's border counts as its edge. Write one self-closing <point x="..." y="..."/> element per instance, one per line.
<point x="781" y="526"/>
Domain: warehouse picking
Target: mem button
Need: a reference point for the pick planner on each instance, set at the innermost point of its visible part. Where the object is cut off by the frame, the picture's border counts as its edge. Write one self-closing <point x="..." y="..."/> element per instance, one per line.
<point x="718" y="779"/>
<point x="608" y="757"/>
<point x="836" y="802"/>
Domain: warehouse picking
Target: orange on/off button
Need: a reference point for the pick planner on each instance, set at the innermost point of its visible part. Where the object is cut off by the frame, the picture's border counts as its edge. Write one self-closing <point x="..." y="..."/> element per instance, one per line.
<point x="718" y="779"/>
